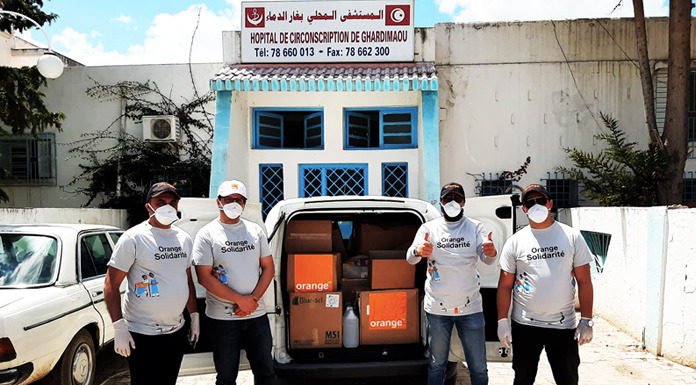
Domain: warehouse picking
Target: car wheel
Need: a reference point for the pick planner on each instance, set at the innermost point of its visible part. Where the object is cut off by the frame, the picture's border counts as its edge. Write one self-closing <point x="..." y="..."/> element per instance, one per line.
<point x="78" y="363"/>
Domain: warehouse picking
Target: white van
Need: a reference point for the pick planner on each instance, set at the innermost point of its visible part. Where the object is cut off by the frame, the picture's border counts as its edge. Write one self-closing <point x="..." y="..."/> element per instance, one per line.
<point x="351" y="215"/>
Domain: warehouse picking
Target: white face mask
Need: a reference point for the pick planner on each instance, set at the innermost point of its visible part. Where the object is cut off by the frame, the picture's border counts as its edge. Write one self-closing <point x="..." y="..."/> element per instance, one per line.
<point x="537" y="213"/>
<point x="165" y="215"/>
<point x="452" y="208"/>
<point x="233" y="210"/>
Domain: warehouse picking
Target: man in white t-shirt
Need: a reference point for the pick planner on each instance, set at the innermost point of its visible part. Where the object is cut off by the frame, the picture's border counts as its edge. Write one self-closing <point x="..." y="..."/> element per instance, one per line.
<point x="540" y="267"/>
<point x="228" y="254"/>
<point x="155" y="258"/>
<point x="452" y="246"/>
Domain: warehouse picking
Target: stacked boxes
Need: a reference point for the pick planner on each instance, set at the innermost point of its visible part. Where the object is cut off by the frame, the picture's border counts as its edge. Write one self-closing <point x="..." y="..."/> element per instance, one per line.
<point x="387" y="299"/>
<point x="313" y="274"/>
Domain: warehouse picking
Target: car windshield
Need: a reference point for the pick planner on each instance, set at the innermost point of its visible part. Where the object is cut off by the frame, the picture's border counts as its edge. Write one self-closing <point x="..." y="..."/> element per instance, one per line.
<point x="26" y="260"/>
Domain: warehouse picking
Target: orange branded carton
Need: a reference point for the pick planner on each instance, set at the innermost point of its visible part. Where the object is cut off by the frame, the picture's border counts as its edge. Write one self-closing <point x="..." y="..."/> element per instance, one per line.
<point x="316" y="320"/>
<point x="389" y="317"/>
<point x="312" y="273"/>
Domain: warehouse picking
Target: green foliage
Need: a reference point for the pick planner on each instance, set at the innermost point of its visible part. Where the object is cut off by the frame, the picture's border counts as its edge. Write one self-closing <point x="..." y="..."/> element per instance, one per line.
<point x="21" y="101"/>
<point x="110" y="159"/>
<point x="620" y="175"/>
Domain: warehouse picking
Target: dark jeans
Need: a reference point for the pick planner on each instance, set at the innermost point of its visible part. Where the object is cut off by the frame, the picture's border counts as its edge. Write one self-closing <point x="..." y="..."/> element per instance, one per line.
<point x="471" y="330"/>
<point x="561" y="351"/>
<point x="254" y="336"/>
<point x="157" y="359"/>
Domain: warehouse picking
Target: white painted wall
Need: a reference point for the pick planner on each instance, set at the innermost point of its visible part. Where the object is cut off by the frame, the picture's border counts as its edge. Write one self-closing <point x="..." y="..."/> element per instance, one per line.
<point x="85" y="114"/>
<point x="65" y="215"/>
<point x="621" y="291"/>
<point x="243" y="163"/>
<point x="506" y="92"/>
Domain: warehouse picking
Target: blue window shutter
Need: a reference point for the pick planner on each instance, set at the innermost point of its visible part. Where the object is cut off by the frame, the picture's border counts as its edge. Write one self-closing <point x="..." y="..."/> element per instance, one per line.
<point x="358" y="129"/>
<point x="268" y="130"/>
<point x="313" y="127"/>
<point x="397" y="128"/>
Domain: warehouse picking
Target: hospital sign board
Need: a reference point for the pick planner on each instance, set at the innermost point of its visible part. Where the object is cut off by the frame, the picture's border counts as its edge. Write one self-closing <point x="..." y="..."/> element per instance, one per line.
<point x="327" y="31"/>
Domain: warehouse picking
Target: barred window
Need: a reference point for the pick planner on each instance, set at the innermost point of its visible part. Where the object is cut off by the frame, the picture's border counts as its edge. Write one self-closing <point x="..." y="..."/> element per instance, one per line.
<point x="395" y="180"/>
<point x="333" y="180"/>
<point x="562" y="190"/>
<point x="271" y="179"/>
<point x="28" y="160"/>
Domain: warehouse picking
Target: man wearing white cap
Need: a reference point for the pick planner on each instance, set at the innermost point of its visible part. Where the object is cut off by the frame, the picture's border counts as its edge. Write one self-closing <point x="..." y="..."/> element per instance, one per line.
<point x="234" y="308"/>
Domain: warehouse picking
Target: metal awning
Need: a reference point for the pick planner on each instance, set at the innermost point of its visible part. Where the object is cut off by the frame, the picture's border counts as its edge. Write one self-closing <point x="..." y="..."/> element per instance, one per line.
<point x="334" y="77"/>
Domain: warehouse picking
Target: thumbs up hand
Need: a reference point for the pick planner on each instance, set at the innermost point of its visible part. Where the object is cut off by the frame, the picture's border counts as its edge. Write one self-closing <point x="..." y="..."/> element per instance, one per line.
<point x="489" y="247"/>
<point x="425" y="249"/>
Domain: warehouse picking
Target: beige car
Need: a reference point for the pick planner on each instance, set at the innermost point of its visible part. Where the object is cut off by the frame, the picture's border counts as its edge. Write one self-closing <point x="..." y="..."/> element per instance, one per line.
<point x="53" y="318"/>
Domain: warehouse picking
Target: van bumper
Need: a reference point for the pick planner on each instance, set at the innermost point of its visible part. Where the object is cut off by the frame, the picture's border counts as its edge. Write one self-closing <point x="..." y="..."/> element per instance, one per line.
<point x="353" y="370"/>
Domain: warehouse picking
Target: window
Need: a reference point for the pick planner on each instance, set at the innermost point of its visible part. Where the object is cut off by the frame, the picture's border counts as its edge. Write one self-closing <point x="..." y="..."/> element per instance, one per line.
<point x="689" y="189"/>
<point x="385" y="128"/>
<point x="95" y="252"/>
<point x="271" y="179"/>
<point x="115" y="237"/>
<point x="395" y="180"/>
<point x="27" y="260"/>
<point x="333" y="180"/>
<point x="288" y="128"/>
<point x="564" y="192"/>
<point x="28" y="159"/>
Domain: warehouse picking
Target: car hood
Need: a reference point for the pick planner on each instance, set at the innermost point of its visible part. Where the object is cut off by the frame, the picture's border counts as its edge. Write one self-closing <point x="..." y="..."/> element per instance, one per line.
<point x="10" y="296"/>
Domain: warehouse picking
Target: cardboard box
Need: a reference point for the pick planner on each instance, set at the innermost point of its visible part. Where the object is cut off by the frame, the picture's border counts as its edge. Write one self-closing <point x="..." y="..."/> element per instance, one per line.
<point x="309" y="273"/>
<point x="316" y="320"/>
<point x="337" y="244"/>
<point x="308" y="237"/>
<point x="389" y="317"/>
<point x="350" y="287"/>
<point x="385" y="237"/>
<point x="390" y="270"/>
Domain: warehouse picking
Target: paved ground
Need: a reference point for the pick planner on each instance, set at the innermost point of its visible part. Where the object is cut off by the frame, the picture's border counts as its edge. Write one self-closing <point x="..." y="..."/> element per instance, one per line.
<point x="613" y="358"/>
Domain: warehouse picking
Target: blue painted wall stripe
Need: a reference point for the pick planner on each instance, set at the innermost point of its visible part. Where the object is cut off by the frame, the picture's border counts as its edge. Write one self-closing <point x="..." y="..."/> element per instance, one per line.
<point x="431" y="146"/>
<point x="221" y="135"/>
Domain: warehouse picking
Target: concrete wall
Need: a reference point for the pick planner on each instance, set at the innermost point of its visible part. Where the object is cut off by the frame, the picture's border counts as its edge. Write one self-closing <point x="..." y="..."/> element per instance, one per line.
<point x="53" y="215"/>
<point x="85" y="114"/>
<point x="244" y="163"/>
<point x="507" y="92"/>
<point x="648" y="286"/>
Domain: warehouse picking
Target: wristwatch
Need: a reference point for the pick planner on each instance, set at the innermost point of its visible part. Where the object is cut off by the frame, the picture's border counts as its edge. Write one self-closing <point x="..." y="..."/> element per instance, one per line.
<point x="587" y="321"/>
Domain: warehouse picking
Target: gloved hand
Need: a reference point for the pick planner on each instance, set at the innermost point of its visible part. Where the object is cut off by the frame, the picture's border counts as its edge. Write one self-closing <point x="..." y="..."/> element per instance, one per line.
<point x="583" y="333"/>
<point x="123" y="341"/>
<point x="195" y="328"/>
<point x="505" y="333"/>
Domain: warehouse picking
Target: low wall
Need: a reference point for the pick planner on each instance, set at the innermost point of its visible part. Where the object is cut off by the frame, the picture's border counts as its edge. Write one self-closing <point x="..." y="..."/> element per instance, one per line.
<point x="64" y="215"/>
<point x="648" y="285"/>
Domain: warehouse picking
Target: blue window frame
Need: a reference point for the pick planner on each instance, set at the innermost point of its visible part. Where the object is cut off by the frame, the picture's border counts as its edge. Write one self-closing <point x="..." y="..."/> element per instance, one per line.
<point x="380" y="128"/>
<point x="332" y="179"/>
<point x="689" y="188"/>
<point x="395" y="180"/>
<point x="288" y="128"/>
<point x="563" y="191"/>
<point x="271" y="181"/>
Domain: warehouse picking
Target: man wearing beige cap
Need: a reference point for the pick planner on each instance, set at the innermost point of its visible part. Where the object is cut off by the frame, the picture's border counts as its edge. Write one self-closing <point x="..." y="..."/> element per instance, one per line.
<point x="155" y="257"/>
<point x="228" y="254"/>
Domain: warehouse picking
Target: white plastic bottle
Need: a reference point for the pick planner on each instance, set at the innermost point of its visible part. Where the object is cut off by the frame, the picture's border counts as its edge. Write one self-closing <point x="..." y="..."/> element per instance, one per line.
<point x="351" y="328"/>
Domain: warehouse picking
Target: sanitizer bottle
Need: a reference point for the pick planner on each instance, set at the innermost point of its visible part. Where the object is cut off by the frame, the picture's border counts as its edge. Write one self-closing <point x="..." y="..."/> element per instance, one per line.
<point x="351" y="328"/>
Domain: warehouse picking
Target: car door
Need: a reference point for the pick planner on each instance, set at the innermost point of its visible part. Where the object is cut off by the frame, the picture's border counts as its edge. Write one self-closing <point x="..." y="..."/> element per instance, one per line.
<point x="95" y="251"/>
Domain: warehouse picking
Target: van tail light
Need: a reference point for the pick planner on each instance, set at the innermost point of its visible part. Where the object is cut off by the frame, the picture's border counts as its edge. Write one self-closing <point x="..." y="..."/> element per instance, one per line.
<point x="7" y="351"/>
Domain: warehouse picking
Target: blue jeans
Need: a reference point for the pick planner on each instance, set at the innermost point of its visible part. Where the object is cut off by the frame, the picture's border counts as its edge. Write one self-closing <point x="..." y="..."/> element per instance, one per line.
<point x="254" y="336"/>
<point x="471" y="332"/>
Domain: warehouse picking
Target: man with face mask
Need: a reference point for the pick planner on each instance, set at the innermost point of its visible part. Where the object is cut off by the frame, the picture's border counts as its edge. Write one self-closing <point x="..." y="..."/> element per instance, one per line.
<point x="238" y="249"/>
<point x="540" y="266"/>
<point x="155" y="257"/>
<point x="452" y="246"/>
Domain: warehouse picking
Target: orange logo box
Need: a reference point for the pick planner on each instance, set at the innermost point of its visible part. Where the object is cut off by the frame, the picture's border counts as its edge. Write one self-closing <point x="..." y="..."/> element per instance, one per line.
<point x="314" y="273"/>
<point x="387" y="311"/>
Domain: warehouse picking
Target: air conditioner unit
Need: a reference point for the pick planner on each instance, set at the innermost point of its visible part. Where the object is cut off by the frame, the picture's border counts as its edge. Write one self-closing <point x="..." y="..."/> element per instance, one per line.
<point x="160" y="128"/>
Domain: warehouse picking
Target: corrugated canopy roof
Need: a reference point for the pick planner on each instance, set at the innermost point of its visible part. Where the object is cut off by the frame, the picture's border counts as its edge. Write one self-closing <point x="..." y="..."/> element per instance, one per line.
<point x="327" y="77"/>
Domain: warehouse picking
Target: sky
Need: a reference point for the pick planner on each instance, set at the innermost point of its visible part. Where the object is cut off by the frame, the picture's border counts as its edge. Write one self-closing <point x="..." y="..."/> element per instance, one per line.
<point x="100" y="32"/>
